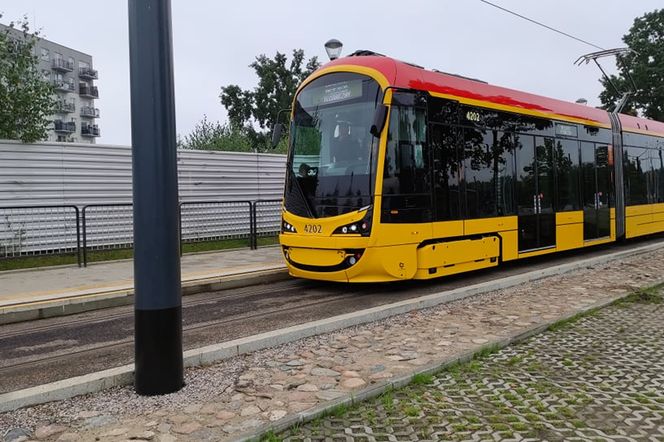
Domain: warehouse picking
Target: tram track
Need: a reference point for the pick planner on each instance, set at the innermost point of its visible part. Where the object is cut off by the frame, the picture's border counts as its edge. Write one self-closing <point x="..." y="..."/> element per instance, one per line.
<point x="7" y="369"/>
<point x="91" y="318"/>
<point x="94" y="341"/>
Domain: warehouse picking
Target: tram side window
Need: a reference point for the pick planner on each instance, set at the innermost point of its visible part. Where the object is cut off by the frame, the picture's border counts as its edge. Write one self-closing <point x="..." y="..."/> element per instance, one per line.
<point x="658" y="164"/>
<point x="489" y="172"/>
<point x="406" y="175"/>
<point x="442" y="111"/>
<point x="446" y="167"/>
<point x="651" y="176"/>
<point x="406" y="162"/>
<point x="567" y="170"/>
<point x="637" y="165"/>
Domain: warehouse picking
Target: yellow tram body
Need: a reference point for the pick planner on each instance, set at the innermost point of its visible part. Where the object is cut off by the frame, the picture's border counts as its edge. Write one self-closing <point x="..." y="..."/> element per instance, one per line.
<point x="440" y="242"/>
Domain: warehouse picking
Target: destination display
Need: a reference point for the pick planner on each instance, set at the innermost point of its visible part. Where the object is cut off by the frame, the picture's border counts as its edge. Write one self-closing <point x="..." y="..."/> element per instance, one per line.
<point x="332" y="93"/>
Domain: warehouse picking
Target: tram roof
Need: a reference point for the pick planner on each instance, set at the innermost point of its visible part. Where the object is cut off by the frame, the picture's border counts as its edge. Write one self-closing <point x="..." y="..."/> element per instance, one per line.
<point x="408" y="76"/>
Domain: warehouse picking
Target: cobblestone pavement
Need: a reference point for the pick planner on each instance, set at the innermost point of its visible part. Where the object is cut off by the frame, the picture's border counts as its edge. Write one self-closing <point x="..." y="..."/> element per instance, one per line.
<point x="599" y="378"/>
<point x="245" y="393"/>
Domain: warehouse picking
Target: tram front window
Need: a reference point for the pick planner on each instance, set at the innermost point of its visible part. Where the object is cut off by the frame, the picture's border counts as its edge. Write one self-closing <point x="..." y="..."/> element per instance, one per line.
<point x="332" y="154"/>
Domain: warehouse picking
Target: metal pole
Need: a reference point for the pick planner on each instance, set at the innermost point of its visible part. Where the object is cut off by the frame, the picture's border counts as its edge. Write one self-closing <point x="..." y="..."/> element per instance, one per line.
<point x="158" y="297"/>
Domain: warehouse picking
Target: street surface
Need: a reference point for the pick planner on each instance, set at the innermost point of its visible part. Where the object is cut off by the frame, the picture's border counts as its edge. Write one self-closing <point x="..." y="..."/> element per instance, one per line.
<point x="98" y="340"/>
<point x="247" y="393"/>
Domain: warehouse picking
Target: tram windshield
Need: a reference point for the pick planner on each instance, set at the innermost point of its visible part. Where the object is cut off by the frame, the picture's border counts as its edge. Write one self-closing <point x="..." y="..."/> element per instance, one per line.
<point x="331" y="164"/>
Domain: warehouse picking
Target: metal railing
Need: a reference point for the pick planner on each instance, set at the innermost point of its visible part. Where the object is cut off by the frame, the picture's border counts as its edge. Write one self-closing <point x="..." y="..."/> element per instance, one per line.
<point x="88" y="91"/>
<point x="43" y="230"/>
<point x="266" y="219"/>
<point x="215" y="220"/>
<point x="87" y="73"/>
<point x="39" y="230"/>
<point x="64" y="107"/>
<point x="64" y="126"/>
<point x="89" y="111"/>
<point x="59" y="64"/>
<point x="107" y="226"/>
<point x="90" y="130"/>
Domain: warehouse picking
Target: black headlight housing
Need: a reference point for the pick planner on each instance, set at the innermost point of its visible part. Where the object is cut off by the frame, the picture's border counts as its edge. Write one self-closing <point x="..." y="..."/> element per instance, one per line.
<point x="361" y="227"/>
<point x="287" y="227"/>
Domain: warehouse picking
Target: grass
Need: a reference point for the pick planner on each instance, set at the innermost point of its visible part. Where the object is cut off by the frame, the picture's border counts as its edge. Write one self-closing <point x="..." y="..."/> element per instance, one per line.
<point x="649" y="295"/>
<point x="387" y="399"/>
<point x="26" y="262"/>
<point x="412" y="411"/>
<point x="270" y="437"/>
<point x="422" y="379"/>
<point x="339" y="410"/>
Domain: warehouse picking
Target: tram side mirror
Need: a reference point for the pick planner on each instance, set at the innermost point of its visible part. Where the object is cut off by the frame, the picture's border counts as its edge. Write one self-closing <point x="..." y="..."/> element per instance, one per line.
<point x="276" y="134"/>
<point x="380" y="116"/>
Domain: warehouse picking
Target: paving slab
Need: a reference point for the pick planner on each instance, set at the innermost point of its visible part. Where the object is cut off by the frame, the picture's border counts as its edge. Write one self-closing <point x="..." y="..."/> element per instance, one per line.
<point x="598" y="378"/>
<point x="276" y="386"/>
<point x="42" y="292"/>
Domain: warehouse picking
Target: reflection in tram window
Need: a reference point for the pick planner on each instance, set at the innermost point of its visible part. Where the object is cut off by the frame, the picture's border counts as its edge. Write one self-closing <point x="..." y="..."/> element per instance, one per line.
<point x="489" y="172"/>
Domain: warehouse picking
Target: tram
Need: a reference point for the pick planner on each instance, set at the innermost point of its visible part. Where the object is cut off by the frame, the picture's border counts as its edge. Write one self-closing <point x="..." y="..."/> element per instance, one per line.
<point x="395" y="172"/>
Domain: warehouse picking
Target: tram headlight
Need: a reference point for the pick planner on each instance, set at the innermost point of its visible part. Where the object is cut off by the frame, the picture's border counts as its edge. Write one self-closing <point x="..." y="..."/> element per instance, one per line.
<point x="287" y="227"/>
<point x="361" y="227"/>
<point x="353" y="256"/>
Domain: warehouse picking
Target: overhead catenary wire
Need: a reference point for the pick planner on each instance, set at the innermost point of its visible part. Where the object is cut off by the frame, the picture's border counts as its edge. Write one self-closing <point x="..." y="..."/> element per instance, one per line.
<point x="542" y="24"/>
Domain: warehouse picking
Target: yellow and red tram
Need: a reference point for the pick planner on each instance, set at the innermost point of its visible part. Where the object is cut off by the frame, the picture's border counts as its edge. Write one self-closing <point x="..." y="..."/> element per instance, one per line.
<point x="396" y="172"/>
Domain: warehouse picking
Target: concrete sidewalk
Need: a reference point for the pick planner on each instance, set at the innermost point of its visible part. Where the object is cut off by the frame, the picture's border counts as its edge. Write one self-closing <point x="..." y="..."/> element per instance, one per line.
<point x="49" y="290"/>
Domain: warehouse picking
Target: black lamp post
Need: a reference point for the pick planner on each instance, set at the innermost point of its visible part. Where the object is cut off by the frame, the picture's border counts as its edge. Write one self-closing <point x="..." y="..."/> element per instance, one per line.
<point x="158" y="298"/>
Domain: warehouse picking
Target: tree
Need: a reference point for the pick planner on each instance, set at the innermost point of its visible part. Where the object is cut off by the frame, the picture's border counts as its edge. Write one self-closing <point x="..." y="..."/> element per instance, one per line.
<point x="645" y="64"/>
<point x="277" y="83"/>
<point x="27" y="100"/>
<point x="216" y="136"/>
<point x="207" y="135"/>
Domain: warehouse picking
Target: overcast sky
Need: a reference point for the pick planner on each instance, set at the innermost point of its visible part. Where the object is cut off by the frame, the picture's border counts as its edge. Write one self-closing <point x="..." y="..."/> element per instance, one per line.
<point x="215" y="41"/>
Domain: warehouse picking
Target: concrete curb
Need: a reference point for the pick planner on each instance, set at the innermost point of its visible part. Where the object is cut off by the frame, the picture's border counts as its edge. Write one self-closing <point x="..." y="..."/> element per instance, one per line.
<point x="115" y="296"/>
<point x="404" y="380"/>
<point x="206" y="355"/>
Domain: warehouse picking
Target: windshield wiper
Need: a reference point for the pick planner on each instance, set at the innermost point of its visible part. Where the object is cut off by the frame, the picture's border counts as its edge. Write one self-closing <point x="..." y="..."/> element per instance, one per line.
<point x="300" y="191"/>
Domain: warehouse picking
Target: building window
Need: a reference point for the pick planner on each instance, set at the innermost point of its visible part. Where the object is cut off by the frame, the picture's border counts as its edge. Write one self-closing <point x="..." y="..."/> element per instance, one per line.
<point x="45" y="54"/>
<point x="83" y="65"/>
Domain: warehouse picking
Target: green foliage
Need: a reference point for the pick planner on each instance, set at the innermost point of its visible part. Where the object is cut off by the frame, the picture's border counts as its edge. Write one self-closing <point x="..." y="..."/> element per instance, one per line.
<point x="270" y="437"/>
<point x="422" y="379"/>
<point x="207" y="135"/>
<point x="27" y="100"/>
<point x="646" y="66"/>
<point x="216" y="136"/>
<point x="260" y="107"/>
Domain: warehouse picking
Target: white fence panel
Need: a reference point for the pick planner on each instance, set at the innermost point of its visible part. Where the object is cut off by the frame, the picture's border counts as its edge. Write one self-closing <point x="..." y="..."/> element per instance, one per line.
<point x="58" y="174"/>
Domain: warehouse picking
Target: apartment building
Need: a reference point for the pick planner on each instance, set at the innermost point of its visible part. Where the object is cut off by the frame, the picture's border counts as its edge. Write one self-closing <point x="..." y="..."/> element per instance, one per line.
<point x="71" y="72"/>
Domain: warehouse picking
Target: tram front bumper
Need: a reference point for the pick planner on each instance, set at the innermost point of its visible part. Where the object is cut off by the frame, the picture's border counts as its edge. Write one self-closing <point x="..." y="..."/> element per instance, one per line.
<point x="373" y="264"/>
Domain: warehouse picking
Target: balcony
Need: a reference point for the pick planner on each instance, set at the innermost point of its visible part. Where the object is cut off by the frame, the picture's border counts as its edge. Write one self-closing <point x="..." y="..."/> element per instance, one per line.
<point x="63" y="86"/>
<point x="62" y="65"/>
<point x="89" y="112"/>
<point x="88" y="91"/>
<point x="63" y="107"/>
<point x="90" y="130"/>
<point x="64" y="127"/>
<point x="87" y="73"/>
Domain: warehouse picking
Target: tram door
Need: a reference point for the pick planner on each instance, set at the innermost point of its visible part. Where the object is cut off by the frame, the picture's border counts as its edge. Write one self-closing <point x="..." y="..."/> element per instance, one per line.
<point x="596" y="184"/>
<point x="535" y="185"/>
